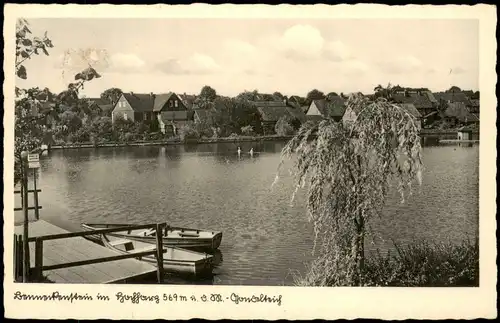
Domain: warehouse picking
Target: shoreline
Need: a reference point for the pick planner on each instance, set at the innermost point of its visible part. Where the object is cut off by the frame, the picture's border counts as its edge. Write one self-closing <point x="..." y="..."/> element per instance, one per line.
<point x="171" y="142"/>
<point x="423" y="133"/>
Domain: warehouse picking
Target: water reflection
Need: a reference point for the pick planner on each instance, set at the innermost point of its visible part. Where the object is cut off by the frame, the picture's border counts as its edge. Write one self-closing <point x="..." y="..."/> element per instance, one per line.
<point x="208" y="186"/>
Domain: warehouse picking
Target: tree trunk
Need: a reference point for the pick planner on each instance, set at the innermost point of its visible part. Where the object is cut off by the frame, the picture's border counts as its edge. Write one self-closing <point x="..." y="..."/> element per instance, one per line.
<point x="358" y="251"/>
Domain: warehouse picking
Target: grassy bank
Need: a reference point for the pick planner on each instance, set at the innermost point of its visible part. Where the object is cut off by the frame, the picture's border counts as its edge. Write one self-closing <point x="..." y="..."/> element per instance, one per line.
<point x="417" y="265"/>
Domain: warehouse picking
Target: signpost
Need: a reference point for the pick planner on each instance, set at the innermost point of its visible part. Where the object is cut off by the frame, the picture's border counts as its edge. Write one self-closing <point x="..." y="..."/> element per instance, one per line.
<point x="24" y="192"/>
<point x="28" y="161"/>
<point x="33" y="161"/>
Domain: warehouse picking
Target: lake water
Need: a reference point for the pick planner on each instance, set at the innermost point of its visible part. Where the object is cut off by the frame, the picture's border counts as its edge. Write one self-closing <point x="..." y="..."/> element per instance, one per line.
<point x="265" y="238"/>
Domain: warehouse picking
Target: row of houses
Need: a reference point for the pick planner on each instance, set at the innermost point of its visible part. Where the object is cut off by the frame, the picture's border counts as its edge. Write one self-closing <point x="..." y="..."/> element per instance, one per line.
<point x="172" y="111"/>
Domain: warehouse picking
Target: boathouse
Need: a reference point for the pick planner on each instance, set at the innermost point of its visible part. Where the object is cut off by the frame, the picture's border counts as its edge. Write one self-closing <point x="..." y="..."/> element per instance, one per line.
<point x="467" y="133"/>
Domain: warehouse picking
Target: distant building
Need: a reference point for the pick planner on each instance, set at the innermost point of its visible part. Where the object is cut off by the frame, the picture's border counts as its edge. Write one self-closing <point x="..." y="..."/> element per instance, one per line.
<point x="424" y="101"/>
<point x="270" y="112"/>
<point x="456" y="113"/>
<point x="327" y="109"/>
<point x="166" y="109"/>
<point x="101" y="106"/>
<point x="134" y="107"/>
<point x="452" y="97"/>
<point x="412" y="110"/>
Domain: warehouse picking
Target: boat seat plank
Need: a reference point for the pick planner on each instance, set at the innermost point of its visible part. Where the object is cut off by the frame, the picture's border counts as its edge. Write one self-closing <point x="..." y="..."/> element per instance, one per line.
<point x="148" y="248"/>
<point x="143" y="232"/>
<point x="118" y="242"/>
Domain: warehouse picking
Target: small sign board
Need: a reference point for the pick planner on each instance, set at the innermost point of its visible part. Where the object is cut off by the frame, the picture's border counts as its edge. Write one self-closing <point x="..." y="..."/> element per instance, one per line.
<point x="33" y="157"/>
<point x="33" y="161"/>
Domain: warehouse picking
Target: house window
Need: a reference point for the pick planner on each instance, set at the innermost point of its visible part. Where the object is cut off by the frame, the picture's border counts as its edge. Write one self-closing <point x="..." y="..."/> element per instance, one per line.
<point x="125" y="116"/>
<point x="176" y="103"/>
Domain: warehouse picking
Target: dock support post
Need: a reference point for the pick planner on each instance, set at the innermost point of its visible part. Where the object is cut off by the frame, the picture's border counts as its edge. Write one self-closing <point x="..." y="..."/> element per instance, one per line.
<point x="159" y="252"/>
<point x="19" y="258"/>
<point x="16" y="260"/>
<point x="26" y="250"/>
<point x="38" y="260"/>
<point x="35" y="196"/>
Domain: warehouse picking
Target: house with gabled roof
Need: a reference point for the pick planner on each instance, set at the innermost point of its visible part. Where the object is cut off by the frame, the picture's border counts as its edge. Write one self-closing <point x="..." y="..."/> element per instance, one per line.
<point x="452" y="96"/>
<point x="457" y="113"/>
<point x="167" y="109"/>
<point x="134" y="107"/>
<point x="101" y="106"/>
<point x="334" y="108"/>
<point x="425" y="103"/>
<point x="270" y="112"/>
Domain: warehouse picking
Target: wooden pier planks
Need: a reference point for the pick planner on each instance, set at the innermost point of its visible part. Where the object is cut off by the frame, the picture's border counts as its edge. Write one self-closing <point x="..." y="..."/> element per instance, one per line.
<point x="77" y="249"/>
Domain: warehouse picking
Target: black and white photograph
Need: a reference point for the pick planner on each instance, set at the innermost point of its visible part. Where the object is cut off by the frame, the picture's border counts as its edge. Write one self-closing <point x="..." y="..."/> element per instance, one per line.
<point x="223" y="158"/>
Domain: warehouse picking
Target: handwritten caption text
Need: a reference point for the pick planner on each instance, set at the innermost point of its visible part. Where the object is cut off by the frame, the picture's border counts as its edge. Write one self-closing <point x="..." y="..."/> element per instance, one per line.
<point x="138" y="297"/>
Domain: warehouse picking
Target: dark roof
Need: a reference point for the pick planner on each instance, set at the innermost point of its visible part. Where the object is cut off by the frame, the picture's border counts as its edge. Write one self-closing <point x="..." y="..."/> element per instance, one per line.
<point x="185" y="115"/>
<point x="305" y="108"/>
<point x="297" y="113"/>
<point x="106" y="107"/>
<point x="188" y="100"/>
<point x="452" y="97"/>
<point x="99" y="101"/>
<point x="466" y="129"/>
<point x="460" y="111"/>
<point x="140" y="102"/>
<point x="431" y="96"/>
<point x="411" y="109"/>
<point x="269" y="103"/>
<point x="147" y="102"/>
<point x="474" y="102"/>
<point x="421" y="101"/>
<point x="468" y="93"/>
<point x="273" y="113"/>
<point x="331" y="108"/>
<point x="160" y="100"/>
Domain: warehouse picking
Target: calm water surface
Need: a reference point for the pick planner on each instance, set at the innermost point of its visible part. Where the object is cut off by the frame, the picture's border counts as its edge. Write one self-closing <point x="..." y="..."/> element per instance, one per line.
<point x="265" y="238"/>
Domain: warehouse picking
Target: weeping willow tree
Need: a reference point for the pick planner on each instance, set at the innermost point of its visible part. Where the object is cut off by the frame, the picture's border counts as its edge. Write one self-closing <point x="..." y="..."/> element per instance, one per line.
<point x="349" y="168"/>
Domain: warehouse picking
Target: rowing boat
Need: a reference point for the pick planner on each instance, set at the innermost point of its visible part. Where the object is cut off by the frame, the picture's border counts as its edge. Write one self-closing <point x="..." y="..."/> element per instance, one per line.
<point x="172" y="236"/>
<point x="175" y="260"/>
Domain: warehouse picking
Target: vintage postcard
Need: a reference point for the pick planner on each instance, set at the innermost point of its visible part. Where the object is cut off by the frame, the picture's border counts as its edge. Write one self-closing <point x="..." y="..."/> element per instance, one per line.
<point x="249" y="162"/>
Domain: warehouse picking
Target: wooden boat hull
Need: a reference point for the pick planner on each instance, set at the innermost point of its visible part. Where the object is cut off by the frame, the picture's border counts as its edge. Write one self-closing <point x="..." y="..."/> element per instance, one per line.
<point x="175" y="260"/>
<point x="176" y="236"/>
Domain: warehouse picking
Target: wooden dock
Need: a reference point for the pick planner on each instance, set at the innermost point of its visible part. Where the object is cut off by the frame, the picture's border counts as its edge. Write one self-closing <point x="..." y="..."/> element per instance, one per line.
<point x="76" y="249"/>
<point x="457" y="141"/>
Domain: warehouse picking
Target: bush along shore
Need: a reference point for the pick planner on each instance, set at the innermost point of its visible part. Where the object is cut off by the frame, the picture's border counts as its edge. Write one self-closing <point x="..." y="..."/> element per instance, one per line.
<point x="171" y="141"/>
<point x="415" y="265"/>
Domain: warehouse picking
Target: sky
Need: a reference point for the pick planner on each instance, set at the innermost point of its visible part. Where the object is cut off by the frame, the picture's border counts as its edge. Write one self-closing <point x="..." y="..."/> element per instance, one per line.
<point x="233" y="55"/>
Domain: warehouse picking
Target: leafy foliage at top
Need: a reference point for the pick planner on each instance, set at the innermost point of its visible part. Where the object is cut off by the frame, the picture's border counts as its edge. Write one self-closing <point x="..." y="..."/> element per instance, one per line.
<point x="31" y="106"/>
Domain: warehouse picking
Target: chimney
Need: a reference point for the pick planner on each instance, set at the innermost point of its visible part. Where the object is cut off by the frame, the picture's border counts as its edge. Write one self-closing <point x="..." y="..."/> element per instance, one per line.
<point x="152" y="95"/>
<point x="285" y="100"/>
<point x="131" y="93"/>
